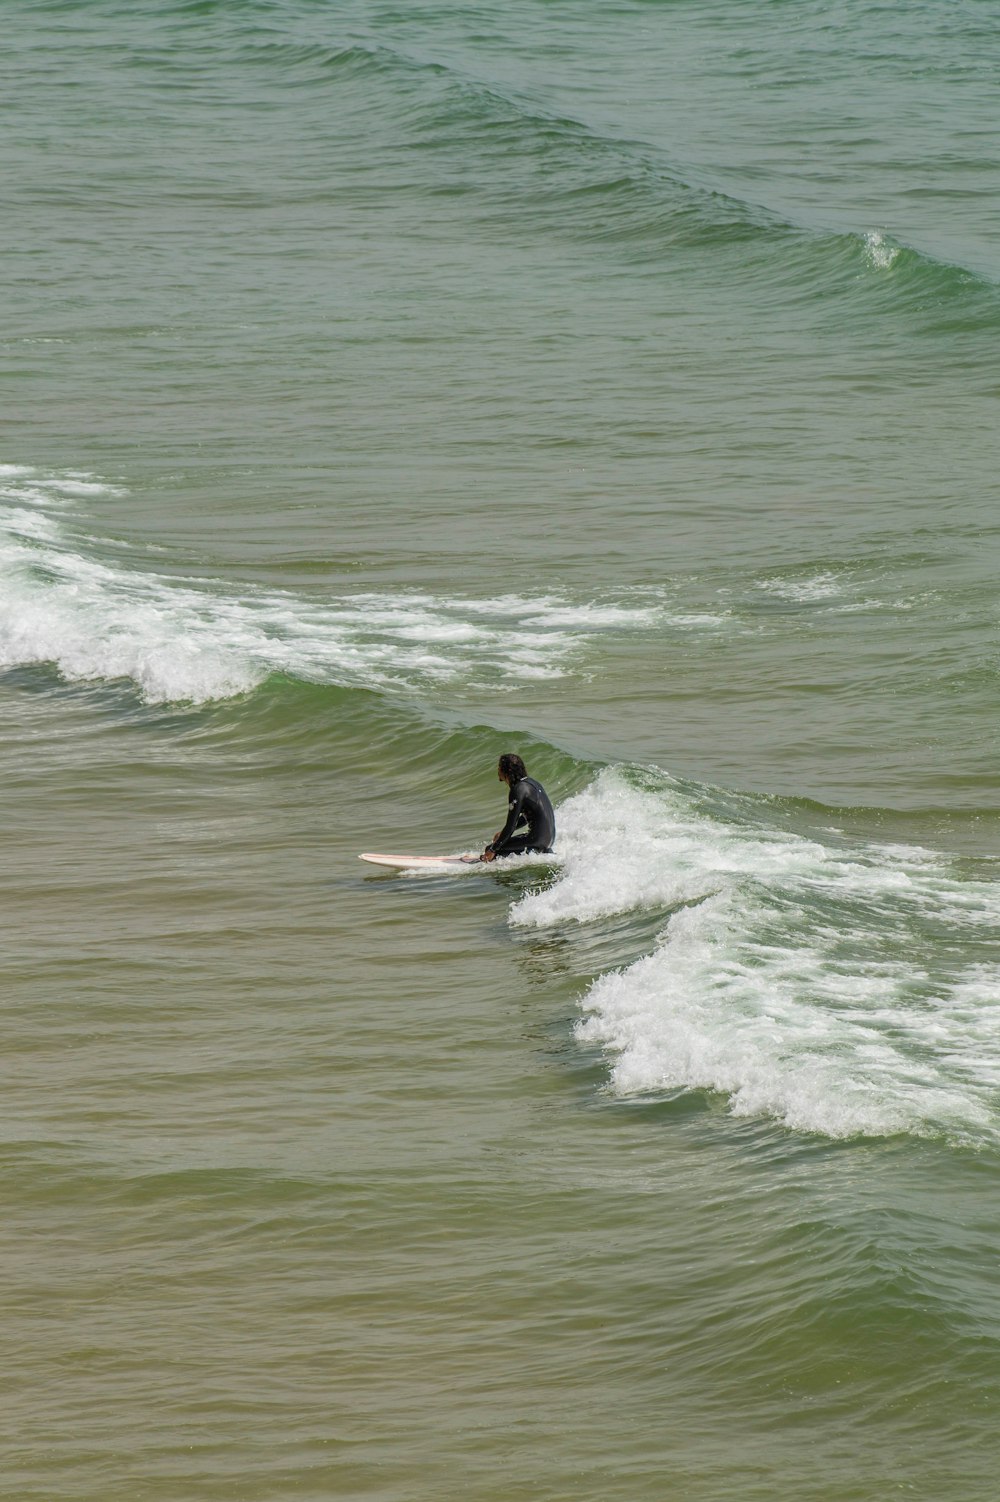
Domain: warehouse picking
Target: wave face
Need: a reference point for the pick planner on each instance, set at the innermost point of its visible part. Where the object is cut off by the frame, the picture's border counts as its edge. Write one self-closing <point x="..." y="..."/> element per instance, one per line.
<point x="807" y="980"/>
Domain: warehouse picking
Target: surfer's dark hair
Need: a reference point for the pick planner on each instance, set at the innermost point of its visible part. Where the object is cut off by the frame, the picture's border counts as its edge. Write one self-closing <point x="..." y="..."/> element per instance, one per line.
<point x="511" y="767"/>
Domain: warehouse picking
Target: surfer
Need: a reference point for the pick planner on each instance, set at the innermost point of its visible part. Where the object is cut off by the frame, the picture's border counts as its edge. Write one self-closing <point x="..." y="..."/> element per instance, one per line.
<point x="529" y="804"/>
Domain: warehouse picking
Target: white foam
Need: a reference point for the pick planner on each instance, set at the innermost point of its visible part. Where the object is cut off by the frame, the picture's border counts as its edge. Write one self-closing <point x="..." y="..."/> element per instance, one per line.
<point x="815" y="587"/>
<point x="198" y="640"/>
<point x="801" y="979"/>
<point x="546" y="611"/>
<point x="21" y="523"/>
<point x="880" y="255"/>
<point x="23" y="482"/>
<point x="625" y="849"/>
<point x="593" y="616"/>
<point x="82" y="487"/>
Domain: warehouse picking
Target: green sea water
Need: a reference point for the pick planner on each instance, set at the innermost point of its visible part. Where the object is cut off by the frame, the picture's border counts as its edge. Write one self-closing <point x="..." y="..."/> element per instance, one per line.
<point x="387" y="386"/>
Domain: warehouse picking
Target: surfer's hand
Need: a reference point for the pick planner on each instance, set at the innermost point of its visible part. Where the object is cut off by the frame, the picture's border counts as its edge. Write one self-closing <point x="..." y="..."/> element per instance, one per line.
<point x="488" y="855"/>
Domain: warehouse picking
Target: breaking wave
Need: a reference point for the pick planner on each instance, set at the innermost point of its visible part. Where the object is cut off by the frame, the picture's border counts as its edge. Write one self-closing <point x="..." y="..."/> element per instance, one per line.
<point x="195" y="640"/>
<point x="803" y="978"/>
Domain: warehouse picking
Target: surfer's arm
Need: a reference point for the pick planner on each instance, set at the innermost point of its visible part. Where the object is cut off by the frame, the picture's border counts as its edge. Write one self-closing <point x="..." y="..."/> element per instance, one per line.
<point x="515" y="816"/>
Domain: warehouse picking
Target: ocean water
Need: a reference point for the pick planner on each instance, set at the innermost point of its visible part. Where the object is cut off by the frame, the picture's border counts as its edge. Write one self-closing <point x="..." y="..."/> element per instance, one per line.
<point x="386" y="386"/>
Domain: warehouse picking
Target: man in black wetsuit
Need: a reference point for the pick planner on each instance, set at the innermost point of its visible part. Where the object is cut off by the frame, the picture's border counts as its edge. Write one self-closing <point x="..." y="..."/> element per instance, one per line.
<point x="529" y="804"/>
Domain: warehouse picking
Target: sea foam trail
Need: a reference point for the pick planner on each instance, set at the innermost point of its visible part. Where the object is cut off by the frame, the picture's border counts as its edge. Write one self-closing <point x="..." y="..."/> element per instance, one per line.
<point x="803" y="980"/>
<point x="197" y="640"/>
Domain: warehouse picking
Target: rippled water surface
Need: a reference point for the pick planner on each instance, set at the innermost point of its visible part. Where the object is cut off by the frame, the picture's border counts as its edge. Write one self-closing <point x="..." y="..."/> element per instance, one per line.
<point x="388" y="386"/>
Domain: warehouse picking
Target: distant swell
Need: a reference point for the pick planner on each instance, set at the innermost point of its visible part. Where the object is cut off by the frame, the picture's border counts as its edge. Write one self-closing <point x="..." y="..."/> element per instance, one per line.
<point x="546" y="172"/>
<point x="524" y="169"/>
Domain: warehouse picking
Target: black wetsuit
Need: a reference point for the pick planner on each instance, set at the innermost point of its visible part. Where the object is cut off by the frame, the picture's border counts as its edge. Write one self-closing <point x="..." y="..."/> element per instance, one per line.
<point x="529" y="804"/>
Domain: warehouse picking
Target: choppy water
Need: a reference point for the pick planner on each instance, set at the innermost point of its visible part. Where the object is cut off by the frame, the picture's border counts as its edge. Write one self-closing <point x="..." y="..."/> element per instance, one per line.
<point x="387" y="386"/>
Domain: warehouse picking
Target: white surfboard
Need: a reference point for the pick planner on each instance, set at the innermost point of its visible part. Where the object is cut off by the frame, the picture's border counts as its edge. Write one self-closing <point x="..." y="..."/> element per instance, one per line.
<point x="420" y="862"/>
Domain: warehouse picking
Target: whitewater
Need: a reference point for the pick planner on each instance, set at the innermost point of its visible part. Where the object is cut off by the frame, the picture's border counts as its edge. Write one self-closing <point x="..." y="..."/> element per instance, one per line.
<point x="803" y="980"/>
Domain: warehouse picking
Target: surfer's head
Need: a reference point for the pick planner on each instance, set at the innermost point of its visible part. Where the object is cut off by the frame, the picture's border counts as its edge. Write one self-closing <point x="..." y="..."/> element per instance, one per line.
<point x="511" y="768"/>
